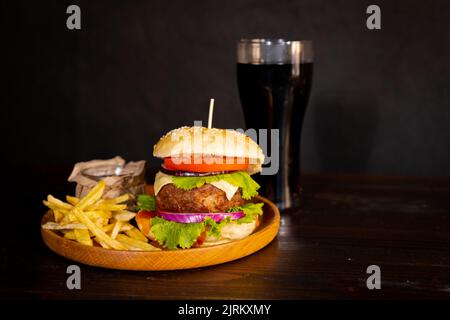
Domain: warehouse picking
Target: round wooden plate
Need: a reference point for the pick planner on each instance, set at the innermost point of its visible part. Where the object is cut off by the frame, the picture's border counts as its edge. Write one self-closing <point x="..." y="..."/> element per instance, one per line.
<point x="167" y="259"/>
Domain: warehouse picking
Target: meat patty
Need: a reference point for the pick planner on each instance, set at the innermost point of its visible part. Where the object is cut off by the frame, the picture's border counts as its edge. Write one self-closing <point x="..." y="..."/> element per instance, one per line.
<point x="207" y="198"/>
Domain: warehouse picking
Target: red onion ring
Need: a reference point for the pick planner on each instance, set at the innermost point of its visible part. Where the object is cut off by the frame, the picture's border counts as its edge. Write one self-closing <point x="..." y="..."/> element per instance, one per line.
<point x="199" y="217"/>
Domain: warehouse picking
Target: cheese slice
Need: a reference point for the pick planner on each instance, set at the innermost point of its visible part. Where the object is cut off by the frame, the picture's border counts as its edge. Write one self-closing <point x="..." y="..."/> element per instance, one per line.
<point x="226" y="187"/>
<point x="161" y="179"/>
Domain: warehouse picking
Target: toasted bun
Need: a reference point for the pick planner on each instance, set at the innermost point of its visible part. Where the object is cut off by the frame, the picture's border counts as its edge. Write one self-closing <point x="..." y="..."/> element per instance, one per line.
<point x="233" y="231"/>
<point x="215" y="142"/>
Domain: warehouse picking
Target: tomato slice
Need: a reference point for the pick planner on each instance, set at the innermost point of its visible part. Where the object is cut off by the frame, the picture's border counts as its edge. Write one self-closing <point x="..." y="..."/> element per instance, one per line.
<point x="206" y="163"/>
<point x="143" y="221"/>
<point x="257" y="222"/>
<point x="201" y="239"/>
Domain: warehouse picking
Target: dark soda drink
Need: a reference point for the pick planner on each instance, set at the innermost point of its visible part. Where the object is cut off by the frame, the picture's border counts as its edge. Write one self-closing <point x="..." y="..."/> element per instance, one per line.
<point x="275" y="96"/>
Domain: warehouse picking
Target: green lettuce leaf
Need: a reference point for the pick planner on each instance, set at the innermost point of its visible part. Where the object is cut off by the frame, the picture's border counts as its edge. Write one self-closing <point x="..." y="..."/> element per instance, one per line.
<point x="173" y="235"/>
<point x="238" y="179"/>
<point x="215" y="228"/>
<point x="250" y="210"/>
<point x="145" y="202"/>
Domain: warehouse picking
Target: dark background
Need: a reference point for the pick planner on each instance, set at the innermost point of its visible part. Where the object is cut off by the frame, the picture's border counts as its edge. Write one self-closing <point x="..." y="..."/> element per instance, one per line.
<point x="136" y="69"/>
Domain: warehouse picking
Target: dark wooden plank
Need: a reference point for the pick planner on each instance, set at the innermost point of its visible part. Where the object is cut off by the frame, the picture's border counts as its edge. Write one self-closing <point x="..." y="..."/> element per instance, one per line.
<point x="346" y="223"/>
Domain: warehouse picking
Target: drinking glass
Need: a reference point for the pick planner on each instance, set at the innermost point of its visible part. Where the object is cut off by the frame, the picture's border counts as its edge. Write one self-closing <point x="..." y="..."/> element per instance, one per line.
<point x="274" y="80"/>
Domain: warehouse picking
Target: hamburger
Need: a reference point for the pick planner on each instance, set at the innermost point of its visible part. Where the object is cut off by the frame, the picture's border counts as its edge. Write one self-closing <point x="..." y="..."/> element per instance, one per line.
<point x="203" y="191"/>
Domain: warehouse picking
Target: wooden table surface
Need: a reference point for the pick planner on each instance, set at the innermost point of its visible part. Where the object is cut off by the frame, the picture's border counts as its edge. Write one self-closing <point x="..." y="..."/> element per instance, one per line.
<point x="346" y="223"/>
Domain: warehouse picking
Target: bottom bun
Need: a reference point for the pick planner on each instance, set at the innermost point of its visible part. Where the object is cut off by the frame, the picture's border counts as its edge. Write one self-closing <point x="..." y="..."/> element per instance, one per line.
<point x="229" y="232"/>
<point x="234" y="231"/>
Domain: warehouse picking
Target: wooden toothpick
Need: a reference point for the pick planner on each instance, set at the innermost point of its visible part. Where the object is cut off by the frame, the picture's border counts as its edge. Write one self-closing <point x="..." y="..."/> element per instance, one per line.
<point x="211" y="111"/>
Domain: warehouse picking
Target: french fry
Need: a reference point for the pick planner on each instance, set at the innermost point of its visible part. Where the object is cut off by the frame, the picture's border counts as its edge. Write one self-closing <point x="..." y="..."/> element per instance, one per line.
<point x="112" y="201"/>
<point x="98" y="214"/>
<point x="113" y="204"/>
<point x="103" y="203"/>
<point x="120" y="199"/>
<point x="126" y="226"/>
<point x="68" y="218"/>
<point x="98" y="232"/>
<point x="83" y="237"/>
<point x="124" y="215"/>
<point x="49" y="205"/>
<point x="94" y="195"/>
<point x="72" y="200"/>
<point x="69" y="234"/>
<point x="54" y="207"/>
<point x="72" y="217"/>
<point x="107" y="207"/>
<point x="56" y="226"/>
<point x="136" y="234"/>
<point x="108" y="227"/>
<point x="104" y="245"/>
<point x="133" y="244"/>
<point x="101" y="222"/>
<point x="92" y="218"/>
<point x="58" y="215"/>
<point x="65" y="220"/>
<point x="123" y="227"/>
<point x="58" y="203"/>
<point x="115" y="231"/>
